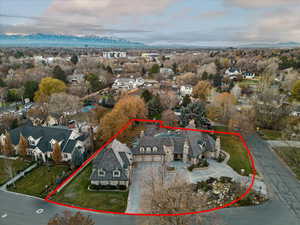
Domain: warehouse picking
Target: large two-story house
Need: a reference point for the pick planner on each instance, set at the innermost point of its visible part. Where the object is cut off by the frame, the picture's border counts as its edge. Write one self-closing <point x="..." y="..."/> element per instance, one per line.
<point x="113" y="164"/>
<point x="42" y="139"/>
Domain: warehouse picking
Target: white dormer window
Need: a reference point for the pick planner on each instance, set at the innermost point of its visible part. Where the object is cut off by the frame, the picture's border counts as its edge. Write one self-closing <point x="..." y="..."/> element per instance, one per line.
<point x="142" y="149"/>
<point x="31" y="141"/>
<point x="155" y="149"/>
<point x="101" y="173"/>
<point x="148" y="149"/>
<point x="116" y="173"/>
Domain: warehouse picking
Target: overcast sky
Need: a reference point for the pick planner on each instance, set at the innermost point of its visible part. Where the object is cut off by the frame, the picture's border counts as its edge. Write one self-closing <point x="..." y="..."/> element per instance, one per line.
<point x="198" y="22"/>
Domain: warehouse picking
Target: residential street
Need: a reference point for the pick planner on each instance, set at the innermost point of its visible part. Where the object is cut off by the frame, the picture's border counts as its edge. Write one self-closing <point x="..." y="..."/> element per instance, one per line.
<point x="282" y="209"/>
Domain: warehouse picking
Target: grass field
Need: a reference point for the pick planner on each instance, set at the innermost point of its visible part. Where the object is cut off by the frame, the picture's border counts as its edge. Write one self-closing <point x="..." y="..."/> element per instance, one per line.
<point x="270" y="134"/>
<point x="77" y="193"/>
<point x="291" y="156"/>
<point x="34" y="182"/>
<point x="238" y="154"/>
<point x="17" y="165"/>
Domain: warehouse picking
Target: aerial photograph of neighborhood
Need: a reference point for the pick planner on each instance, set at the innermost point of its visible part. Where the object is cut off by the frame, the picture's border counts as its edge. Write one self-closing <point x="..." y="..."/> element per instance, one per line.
<point x="149" y="112"/>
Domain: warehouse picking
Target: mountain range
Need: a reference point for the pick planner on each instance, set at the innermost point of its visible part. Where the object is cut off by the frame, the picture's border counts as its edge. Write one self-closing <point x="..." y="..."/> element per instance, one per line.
<point x="56" y="40"/>
<point x="53" y="40"/>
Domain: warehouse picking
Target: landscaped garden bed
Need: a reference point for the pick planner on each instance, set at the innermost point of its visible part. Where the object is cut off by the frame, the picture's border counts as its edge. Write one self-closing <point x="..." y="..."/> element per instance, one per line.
<point x="224" y="190"/>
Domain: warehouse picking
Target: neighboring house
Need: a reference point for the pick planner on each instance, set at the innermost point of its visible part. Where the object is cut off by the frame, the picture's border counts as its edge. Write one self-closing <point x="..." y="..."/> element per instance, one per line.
<point x="233" y="72"/>
<point x="166" y="71"/>
<point x="112" y="166"/>
<point x="76" y="78"/>
<point x="128" y="83"/>
<point x="186" y="90"/>
<point x="42" y="139"/>
<point x="109" y="55"/>
<point x="296" y="111"/>
<point x="249" y="75"/>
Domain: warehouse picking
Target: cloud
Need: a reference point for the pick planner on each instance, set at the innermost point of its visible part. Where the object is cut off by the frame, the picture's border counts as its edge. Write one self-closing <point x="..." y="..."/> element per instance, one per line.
<point x="213" y="14"/>
<point x="260" y="3"/>
<point x="89" y="17"/>
<point x="278" y="25"/>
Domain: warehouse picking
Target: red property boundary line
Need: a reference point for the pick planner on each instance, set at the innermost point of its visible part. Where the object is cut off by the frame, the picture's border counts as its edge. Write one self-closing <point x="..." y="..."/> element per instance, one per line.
<point x="144" y="214"/>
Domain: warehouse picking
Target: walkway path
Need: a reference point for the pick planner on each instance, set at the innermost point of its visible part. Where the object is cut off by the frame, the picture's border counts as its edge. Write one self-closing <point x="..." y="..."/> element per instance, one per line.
<point x="295" y="144"/>
<point x="17" y="177"/>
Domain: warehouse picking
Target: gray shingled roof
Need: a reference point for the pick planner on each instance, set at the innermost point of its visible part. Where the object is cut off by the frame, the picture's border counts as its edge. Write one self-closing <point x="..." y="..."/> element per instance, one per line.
<point x="108" y="161"/>
<point x="46" y="134"/>
<point x="176" y="139"/>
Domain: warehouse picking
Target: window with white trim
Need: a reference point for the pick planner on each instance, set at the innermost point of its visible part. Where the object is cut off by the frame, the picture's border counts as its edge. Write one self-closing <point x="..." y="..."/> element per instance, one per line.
<point x="101" y="173"/>
<point x="142" y="149"/>
<point x="116" y="173"/>
<point x="155" y="149"/>
<point x="148" y="149"/>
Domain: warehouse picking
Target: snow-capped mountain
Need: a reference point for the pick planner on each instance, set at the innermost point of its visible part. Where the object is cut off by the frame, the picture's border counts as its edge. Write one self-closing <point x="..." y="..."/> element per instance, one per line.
<point x="54" y="40"/>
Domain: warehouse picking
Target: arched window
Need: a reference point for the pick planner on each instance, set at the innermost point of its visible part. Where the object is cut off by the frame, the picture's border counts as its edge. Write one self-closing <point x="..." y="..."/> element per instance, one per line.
<point x="148" y="149"/>
<point x="142" y="149"/>
<point x="155" y="149"/>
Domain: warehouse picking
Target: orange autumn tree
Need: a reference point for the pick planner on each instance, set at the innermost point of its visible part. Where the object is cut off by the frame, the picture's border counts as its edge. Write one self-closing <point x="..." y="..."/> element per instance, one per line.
<point x="201" y="90"/>
<point x="56" y="155"/>
<point x="128" y="107"/>
<point x="23" y="146"/>
<point x="7" y="146"/>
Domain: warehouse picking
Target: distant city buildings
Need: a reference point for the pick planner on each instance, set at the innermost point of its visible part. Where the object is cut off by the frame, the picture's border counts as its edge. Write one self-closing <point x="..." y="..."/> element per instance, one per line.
<point x="109" y="55"/>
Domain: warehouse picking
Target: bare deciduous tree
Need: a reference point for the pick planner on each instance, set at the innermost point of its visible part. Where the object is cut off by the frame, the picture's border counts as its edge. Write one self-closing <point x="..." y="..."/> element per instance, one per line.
<point x="170" y="195"/>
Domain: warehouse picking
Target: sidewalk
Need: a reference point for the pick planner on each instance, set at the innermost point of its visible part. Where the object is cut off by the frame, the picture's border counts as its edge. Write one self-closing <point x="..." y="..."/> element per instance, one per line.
<point x="17" y="177"/>
<point x="295" y="144"/>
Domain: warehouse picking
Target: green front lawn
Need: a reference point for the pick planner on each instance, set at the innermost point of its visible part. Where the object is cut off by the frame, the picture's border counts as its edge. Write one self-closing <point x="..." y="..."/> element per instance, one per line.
<point x="291" y="156"/>
<point x="238" y="154"/>
<point x="77" y="193"/>
<point x="17" y="165"/>
<point x="35" y="182"/>
<point x="270" y="134"/>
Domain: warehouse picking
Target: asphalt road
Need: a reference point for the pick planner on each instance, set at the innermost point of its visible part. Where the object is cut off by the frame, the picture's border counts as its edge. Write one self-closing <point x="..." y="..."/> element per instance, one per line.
<point x="282" y="209"/>
<point x="21" y="210"/>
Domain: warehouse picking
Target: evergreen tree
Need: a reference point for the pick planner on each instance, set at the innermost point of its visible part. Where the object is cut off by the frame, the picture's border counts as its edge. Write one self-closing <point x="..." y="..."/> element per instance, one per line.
<point x="30" y="88"/>
<point x="146" y="95"/>
<point x="205" y="76"/>
<point x="155" y="107"/>
<point x="194" y="111"/>
<point x="154" y="69"/>
<point x="217" y="80"/>
<point x="56" y="155"/>
<point x="77" y="158"/>
<point x="186" y="100"/>
<point x="74" y="59"/>
<point x="59" y="74"/>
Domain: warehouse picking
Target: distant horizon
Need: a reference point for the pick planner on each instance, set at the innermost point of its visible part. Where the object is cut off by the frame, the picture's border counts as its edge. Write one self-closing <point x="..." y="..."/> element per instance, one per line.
<point x="158" y="23"/>
<point x="116" y="42"/>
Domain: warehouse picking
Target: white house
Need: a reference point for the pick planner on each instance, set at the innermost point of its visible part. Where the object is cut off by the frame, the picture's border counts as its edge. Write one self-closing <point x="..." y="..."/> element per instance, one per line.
<point x="109" y="55"/>
<point x="186" y="90"/>
<point x="128" y="83"/>
<point x="42" y="139"/>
